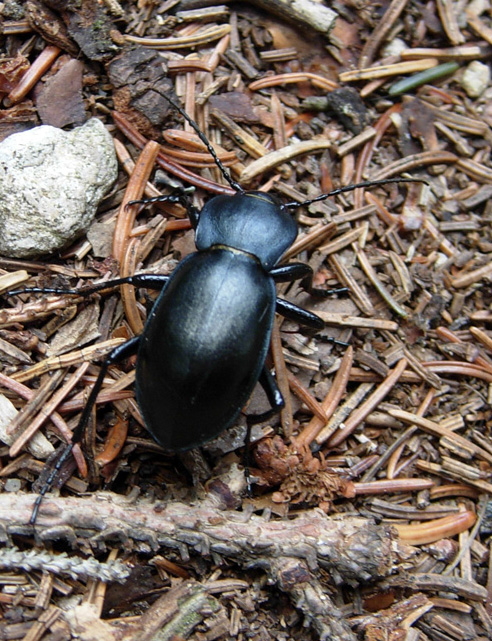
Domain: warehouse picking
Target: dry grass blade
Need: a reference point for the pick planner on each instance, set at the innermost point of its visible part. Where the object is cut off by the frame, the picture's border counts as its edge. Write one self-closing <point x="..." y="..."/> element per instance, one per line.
<point x="201" y="37"/>
<point x="275" y="158"/>
<point x="385" y="71"/>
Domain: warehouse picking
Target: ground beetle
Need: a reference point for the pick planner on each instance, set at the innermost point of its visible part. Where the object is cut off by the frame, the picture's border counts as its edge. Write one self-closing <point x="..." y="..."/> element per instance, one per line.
<point x="204" y="345"/>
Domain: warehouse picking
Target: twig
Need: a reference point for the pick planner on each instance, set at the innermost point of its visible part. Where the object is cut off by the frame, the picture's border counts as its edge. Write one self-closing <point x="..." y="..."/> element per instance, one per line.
<point x="383" y="28"/>
<point x="38" y="68"/>
<point x="358" y="549"/>
<point x="134" y="191"/>
<point x="366" y="408"/>
<point x="330" y="402"/>
<point x="44" y="561"/>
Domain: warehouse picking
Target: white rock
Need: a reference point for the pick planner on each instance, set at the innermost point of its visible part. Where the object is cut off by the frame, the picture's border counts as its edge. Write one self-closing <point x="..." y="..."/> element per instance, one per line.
<point x="51" y="183"/>
<point x="38" y="445"/>
<point x="476" y="79"/>
<point x="394" y="47"/>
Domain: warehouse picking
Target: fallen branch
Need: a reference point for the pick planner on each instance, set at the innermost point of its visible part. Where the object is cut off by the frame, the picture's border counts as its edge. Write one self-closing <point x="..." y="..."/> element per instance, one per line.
<point x="352" y="550"/>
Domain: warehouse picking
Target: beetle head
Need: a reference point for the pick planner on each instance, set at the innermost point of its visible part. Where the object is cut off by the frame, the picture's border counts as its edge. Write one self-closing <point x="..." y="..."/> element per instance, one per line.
<point x="252" y="221"/>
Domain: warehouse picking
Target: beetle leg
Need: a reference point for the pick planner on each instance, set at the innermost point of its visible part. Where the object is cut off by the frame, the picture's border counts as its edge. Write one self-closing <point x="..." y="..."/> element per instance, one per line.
<point x="177" y="196"/>
<point x="294" y="271"/>
<point x="117" y="354"/>
<point x="275" y="398"/>
<point x="303" y="317"/>
<point x="150" y="281"/>
<point x="298" y="314"/>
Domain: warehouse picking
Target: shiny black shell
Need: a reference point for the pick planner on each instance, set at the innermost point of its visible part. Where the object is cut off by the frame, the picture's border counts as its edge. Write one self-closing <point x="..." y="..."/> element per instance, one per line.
<point x="203" y="346"/>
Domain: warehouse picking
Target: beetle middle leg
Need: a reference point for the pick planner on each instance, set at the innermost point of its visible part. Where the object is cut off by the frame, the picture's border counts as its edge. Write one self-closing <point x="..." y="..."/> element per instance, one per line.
<point x="150" y="281"/>
<point x="296" y="271"/>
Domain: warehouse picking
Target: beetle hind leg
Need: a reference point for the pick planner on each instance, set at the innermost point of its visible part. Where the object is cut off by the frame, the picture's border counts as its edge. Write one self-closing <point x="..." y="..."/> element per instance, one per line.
<point x="116" y="355"/>
<point x="276" y="400"/>
<point x="179" y="196"/>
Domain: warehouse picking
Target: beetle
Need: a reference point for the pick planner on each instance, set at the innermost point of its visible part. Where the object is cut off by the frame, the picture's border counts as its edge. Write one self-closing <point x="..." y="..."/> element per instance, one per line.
<point x="205" y="341"/>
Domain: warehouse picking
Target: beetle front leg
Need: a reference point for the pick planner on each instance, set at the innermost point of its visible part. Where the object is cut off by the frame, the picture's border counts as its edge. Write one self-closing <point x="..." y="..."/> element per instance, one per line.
<point x="303" y="317"/>
<point x="178" y="196"/>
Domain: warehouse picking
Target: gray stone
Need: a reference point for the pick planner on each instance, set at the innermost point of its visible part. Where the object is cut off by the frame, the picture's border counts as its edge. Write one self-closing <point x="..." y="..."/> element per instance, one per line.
<point x="51" y="183"/>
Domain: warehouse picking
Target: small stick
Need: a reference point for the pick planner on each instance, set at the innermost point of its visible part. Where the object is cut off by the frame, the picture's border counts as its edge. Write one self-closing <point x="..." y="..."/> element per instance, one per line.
<point x="201" y="37"/>
<point x="275" y="158"/>
<point x="345" y="320"/>
<point x="383" y="71"/>
<point x="134" y="191"/>
<point x="437" y="430"/>
<point x="368" y="406"/>
<point x="390" y="486"/>
<point x="287" y="78"/>
<point x="330" y="402"/>
<point x="167" y="164"/>
<point x="131" y="258"/>
<point x="378" y="285"/>
<point x="379" y="34"/>
<point x="38" y="68"/>
<point x="65" y="360"/>
<point x="465" y="52"/>
<point x="286" y="414"/>
<point x="345" y="277"/>
<point x="47" y="410"/>
<point x="416" y="160"/>
<point x="306" y="397"/>
<point x="429" y="531"/>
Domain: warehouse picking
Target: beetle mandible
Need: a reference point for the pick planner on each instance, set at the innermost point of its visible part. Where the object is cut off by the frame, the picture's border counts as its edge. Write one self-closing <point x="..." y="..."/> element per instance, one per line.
<point x="205" y="341"/>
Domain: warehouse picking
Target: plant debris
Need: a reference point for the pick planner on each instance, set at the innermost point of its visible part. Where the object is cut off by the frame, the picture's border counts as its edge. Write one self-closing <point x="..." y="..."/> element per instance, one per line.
<point x="370" y="513"/>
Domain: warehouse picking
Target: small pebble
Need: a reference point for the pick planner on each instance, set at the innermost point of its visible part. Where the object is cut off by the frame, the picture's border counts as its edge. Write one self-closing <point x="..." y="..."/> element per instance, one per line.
<point x="395" y="47"/>
<point x="12" y="485"/>
<point x="475" y="79"/>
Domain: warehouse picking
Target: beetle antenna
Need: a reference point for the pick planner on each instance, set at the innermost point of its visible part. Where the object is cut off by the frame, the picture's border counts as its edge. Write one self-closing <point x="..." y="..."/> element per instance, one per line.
<point x="341" y="190"/>
<point x="235" y="185"/>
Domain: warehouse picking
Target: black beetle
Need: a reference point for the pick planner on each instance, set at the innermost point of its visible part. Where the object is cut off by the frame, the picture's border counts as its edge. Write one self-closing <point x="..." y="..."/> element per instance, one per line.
<point x="204" y="345"/>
